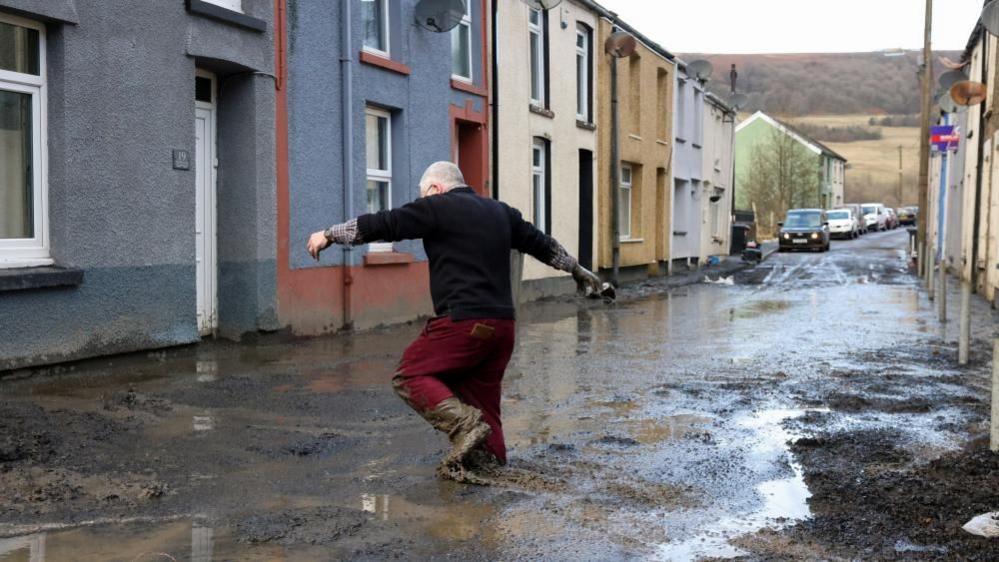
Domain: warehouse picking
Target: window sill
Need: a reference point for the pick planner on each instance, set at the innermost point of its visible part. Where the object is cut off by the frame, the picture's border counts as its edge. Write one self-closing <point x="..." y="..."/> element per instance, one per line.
<point x="388" y="258"/>
<point x="468" y="87"/>
<point x="368" y="57"/>
<point x="695" y="145"/>
<point x="632" y="240"/>
<point x="26" y="278"/>
<point x="633" y="136"/>
<point x="585" y="125"/>
<point x="662" y="142"/>
<point x="544" y="112"/>
<point x="681" y="140"/>
<point x="202" y="8"/>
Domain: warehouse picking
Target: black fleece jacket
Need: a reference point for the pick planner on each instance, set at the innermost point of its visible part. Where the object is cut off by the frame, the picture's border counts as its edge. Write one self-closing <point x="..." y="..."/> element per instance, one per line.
<point x="468" y="239"/>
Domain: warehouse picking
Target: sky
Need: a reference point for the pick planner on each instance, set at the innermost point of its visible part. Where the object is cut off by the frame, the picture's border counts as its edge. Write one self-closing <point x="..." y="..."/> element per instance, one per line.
<point x="797" y="26"/>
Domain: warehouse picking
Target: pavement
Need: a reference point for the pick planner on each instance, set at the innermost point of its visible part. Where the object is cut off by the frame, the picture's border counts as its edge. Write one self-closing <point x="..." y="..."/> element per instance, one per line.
<point x="810" y="407"/>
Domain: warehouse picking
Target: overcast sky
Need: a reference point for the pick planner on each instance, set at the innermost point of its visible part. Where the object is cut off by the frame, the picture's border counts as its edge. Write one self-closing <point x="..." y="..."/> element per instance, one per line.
<point x="797" y="26"/>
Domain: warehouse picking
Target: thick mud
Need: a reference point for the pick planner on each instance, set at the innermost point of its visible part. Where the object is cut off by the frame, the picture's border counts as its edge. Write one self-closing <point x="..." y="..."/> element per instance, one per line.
<point x="810" y="410"/>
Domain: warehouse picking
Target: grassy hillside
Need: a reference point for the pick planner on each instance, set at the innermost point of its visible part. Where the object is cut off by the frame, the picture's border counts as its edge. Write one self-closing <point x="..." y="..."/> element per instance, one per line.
<point x="873" y="172"/>
<point x="796" y="85"/>
<point x="834" y="96"/>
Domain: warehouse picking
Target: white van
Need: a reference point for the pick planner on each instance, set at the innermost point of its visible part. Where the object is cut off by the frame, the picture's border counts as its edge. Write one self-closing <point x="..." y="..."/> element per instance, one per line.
<point x="875" y="217"/>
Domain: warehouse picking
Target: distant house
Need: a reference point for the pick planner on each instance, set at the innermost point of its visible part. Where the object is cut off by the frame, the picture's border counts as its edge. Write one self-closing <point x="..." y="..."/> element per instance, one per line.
<point x="830" y="166"/>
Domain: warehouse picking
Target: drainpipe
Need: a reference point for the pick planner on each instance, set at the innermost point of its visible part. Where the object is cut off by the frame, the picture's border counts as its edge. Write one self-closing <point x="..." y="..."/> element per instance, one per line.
<point x="347" y="132"/>
<point x="615" y="173"/>
<point x="495" y="87"/>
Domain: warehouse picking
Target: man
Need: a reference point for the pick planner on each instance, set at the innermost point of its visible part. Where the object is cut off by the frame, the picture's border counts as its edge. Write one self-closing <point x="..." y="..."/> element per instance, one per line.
<point x="452" y="373"/>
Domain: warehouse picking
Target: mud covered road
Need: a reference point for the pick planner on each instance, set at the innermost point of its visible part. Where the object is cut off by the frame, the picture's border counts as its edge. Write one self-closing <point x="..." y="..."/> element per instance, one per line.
<point x="810" y="409"/>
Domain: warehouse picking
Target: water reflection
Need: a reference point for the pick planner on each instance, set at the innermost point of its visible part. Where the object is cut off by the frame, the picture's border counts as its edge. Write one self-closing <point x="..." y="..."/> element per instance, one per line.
<point x="114" y="542"/>
<point x="30" y="548"/>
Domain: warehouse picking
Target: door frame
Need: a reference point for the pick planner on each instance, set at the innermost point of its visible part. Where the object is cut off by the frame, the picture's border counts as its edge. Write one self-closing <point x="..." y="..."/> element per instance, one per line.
<point x="208" y="111"/>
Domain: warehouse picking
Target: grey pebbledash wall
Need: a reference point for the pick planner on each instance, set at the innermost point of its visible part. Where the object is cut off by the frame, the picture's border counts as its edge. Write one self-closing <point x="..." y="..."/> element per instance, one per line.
<point x="120" y="100"/>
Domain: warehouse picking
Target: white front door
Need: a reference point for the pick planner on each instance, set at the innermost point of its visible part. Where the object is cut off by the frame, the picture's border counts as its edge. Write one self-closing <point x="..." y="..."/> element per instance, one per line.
<point x="206" y="258"/>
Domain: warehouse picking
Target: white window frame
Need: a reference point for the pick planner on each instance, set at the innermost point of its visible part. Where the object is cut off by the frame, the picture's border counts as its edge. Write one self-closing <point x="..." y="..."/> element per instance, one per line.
<point x="625" y="218"/>
<point x="583" y="85"/>
<point x="537" y="81"/>
<point x="539" y="182"/>
<point x="375" y="174"/>
<point x="385" y="29"/>
<point x="466" y="21"/>
<point x="233" y="5"/>
<point x="29" y="252"/>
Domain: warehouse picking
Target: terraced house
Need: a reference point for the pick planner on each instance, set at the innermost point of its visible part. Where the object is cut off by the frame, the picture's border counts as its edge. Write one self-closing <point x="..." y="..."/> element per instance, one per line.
<point x="646" y="85"/>
<point x="547" y="139"/>
<point x="136" y="177"/>
<point x="372" y="99"/>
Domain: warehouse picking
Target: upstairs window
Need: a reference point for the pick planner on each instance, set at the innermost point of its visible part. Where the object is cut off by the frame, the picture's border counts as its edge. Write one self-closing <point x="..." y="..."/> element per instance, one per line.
<point x="461" y="46"/>
<point x="374" y="18"/>
<point x="23" y="189"/>
<point x="584" y="79"/>
<point x="537" y="36"/>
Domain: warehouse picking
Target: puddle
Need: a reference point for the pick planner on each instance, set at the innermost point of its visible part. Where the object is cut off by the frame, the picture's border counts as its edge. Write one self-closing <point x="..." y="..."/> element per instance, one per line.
<point x="681" y="426"/>
<point x="759" y="308"/>
<point x="784" y="500"/>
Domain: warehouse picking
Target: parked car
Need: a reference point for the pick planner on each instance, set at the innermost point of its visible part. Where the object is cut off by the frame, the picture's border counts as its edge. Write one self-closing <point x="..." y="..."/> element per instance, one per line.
<point x="857" y="212"/>
<point x="891" y="219"/>
<point x="804" y="229"/>
<point x="843" y="224"/>
<point x="874" y="216"/>
<point x="907" y="215"/>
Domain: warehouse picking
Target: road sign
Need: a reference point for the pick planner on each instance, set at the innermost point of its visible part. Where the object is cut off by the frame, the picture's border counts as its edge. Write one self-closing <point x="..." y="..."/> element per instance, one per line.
<point x="945" y="137"/>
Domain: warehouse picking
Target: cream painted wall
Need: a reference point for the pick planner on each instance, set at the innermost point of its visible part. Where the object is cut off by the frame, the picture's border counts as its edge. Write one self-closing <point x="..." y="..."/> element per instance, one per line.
<point x="518" y="125"/>
<point x="719" y="130"/>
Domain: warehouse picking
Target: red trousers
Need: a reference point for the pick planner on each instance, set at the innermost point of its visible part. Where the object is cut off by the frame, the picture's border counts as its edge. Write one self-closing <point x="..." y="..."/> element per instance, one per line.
<point x="466" y="359"/>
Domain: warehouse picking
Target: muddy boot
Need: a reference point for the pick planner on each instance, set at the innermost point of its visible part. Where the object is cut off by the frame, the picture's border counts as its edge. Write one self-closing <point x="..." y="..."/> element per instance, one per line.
<point x="463" y="425"/>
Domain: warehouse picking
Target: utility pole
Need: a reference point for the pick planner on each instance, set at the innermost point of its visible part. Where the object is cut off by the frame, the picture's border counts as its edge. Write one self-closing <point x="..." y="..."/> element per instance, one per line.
<point x="924" y="139"/>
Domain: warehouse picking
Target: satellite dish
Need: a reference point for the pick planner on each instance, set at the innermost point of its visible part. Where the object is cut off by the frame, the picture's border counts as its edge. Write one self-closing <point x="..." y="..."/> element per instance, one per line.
<point x="990" y="17"/>
<point x="948" y="63"/>
<point x="620" y="44"/>
<point x="948" y="79"/>
<point x="948" y="105"/>
<point x="968" y="93"/>
<point x="439" y="16"/>
<point x="700" y="69"/>
<point x="739" y="101"/>
<point x="542" y="4"/>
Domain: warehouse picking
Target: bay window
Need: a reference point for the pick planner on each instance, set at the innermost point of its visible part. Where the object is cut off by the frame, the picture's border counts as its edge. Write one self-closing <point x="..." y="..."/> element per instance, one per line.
<point x="23" y="189"/>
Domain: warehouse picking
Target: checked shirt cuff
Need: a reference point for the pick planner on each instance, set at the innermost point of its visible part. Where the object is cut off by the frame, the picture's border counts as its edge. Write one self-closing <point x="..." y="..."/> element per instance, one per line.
<point x="344" y="233"/>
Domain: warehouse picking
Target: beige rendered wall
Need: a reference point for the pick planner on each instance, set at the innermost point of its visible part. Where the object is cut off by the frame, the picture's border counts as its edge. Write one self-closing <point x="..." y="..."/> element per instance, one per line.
<point x="717" y="179"/>
<point x="518" y="125"/>
<point x="645" y="93"/>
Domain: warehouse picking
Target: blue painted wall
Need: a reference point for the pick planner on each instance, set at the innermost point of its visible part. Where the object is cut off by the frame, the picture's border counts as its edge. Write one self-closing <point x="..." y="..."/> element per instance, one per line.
<point x="419" y="103"/>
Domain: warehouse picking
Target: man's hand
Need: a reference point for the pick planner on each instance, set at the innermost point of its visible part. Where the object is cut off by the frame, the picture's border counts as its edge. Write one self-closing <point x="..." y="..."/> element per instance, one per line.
<point x="317" y="243"/>
<point x="586" y="280"/>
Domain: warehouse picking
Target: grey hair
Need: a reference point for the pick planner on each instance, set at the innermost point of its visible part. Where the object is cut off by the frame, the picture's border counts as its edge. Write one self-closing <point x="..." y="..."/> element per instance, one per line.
<point x="445" y="173"/>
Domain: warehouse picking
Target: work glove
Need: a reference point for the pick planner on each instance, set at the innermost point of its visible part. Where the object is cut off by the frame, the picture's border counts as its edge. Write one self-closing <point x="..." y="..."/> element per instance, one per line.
<point x="586" y="281"/>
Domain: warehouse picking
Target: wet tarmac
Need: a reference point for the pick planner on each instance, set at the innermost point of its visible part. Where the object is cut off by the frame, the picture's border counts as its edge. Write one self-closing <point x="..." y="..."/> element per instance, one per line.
<point x="792" y="414"/>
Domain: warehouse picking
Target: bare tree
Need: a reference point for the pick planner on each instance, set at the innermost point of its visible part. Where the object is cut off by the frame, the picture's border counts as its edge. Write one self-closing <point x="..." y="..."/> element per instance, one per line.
<point x="783" y="175"/>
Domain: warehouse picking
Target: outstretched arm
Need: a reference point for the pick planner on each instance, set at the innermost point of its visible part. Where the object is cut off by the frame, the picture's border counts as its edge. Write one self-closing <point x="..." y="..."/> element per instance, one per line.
<point x="529" y="240"/>
<point x="411" y="221"/>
